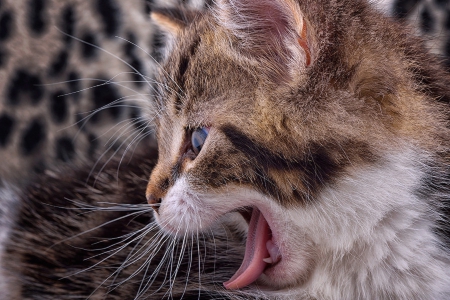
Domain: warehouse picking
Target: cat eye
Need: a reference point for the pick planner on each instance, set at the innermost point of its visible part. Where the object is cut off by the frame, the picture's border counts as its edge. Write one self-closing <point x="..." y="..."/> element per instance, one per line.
<point x="198" y="138"/>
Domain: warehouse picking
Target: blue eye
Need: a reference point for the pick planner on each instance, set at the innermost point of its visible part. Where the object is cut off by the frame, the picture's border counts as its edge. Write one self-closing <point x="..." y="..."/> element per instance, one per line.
<point x="198" y="139"/>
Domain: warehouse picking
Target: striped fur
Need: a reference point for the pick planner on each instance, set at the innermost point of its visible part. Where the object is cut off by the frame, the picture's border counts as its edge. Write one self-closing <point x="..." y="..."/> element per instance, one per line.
<point x="329" y="118"/>
<point x="334" y="125"/>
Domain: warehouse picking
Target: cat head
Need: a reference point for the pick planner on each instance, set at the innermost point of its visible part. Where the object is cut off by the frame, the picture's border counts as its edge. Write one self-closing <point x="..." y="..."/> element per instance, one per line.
<point x="263" y="108"/>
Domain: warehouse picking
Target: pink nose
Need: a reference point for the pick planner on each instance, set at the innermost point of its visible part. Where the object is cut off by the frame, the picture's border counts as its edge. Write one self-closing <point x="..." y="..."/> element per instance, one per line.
<point x="154" y="202"/>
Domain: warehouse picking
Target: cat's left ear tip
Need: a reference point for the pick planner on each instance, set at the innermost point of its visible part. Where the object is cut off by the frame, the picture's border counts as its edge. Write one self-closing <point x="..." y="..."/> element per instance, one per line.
<point x="166" y="23"/>
<point x="174" y="20"/>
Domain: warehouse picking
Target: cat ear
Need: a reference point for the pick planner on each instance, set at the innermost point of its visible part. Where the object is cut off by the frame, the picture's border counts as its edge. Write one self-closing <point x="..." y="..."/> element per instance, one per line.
<point x="173" y="20"/>
<point x="273" y="30"/>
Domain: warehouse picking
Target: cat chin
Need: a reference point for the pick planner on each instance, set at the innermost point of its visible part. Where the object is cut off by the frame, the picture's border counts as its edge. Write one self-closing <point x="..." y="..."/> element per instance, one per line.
<point x="185" y="211"/>
<point x="288" y="273"/>
<point x="297" y="252"/>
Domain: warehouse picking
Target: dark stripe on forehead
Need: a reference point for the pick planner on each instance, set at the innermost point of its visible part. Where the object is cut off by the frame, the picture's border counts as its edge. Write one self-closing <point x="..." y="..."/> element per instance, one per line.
<point x="315" y="166"/>
<point x="180" y="77"/>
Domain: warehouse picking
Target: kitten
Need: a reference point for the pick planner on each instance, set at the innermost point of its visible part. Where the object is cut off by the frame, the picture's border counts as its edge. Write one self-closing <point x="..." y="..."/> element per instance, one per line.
<point x="306" y="141"/>
<point x="326" y="126"/>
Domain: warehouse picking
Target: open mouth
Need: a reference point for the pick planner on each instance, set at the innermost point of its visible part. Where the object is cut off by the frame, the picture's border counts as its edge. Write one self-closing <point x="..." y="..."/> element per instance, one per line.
<point x="260" y="251"/>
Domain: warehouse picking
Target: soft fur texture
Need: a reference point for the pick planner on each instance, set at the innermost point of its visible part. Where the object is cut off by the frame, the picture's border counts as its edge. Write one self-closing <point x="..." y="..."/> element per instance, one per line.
<point x="325" y="116"/>
<point x="330" y="120"/>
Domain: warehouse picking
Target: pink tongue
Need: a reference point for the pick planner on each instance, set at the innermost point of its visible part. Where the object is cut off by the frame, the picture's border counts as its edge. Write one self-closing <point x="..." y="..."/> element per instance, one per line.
<point x="255" y="251"/>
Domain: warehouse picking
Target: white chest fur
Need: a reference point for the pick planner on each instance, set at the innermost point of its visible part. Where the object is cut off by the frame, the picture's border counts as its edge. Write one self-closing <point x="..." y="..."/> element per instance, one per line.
<point x="375" y="236"/>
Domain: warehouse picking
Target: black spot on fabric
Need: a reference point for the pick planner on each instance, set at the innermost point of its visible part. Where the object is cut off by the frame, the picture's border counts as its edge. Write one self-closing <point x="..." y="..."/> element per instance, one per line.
<point x="447" y="20"/>
<point x="447" y="53"/>
<point x="6" y="128"/>
<point x="39" y="167"/>
<point x="65" y="149"/>
<point x="402" y="8"/>
<point x="138" y="121"/>
<point x="110" y="14"/>
<point x="129" y="47"/>
<point x="73" y="81"/>
<point x="148" y="7"/>
<point x="427" y="21"/>
<point x="102" y="96"/>
<point x="87" y="50"/>
<point x="135" y="115"/>
<point x="3" y="56"/>
<point x="32" y="137"/>
<point x="447" y="47"/>
<point x="80" y="121"/>
<point x="6" y="25"/>
<point x="58" y="106"/>
<point x="93" y="145"/>
<point x="157" y="46"/>
<point x="59" y="64"/>
<point x="132" y="58"/>
<point x="36" y="16"/>
<point x="441" y="3"/>
<point x="68" y="24"/>
<point x="24" y="86"/>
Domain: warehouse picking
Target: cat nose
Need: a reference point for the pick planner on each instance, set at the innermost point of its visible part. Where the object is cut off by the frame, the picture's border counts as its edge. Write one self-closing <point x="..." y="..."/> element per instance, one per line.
<point x="154" y="202"/>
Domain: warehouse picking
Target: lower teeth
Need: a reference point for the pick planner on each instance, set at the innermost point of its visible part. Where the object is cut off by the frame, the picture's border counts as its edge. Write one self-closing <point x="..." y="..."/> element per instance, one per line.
<point x="268" y="260"/>
<point x="274" y="252"/>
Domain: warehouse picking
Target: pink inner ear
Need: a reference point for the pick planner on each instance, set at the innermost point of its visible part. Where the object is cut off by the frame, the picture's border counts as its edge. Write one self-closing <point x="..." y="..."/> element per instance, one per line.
<point x="267" y="16"/>
<point x="274" y="17"/>
<point x="267" y="30"/>
<point x="303" y="42"/>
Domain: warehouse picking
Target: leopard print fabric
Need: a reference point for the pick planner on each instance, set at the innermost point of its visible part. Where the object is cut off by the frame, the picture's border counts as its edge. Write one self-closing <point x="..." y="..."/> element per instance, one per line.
<point x="75" y="75"/>
<point x="429" y="18"/>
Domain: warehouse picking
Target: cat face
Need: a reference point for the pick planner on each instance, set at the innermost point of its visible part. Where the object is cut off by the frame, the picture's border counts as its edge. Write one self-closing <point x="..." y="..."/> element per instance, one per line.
<point x="282" y="113"/>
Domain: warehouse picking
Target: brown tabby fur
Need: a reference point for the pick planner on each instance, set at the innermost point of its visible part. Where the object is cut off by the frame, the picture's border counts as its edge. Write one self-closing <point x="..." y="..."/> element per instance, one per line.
<point x="283" y="126"/>
<point x="301" y="97"/>
<point x="364" y="95"/>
